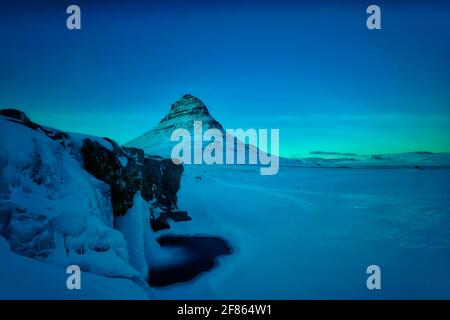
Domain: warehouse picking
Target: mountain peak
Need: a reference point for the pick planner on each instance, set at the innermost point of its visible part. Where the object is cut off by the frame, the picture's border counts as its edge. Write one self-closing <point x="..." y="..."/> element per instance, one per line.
<point x="188" y="96"/>
<point x="182" y="115"/>
<point x="184" y="112"/>
<point x="189" y="104"/>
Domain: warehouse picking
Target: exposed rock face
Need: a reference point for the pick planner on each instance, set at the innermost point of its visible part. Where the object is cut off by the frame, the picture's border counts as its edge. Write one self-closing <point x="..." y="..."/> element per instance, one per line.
<point x="106" y="166"/>
<point x="157" y="179"/>
<point x="15" y="114"/>
<point x="161" y="181"/>
<point x="128" y="171"/>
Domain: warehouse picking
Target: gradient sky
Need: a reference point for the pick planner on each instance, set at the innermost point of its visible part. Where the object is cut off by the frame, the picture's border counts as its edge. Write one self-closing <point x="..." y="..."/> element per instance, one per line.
<point x="312" y="70"/>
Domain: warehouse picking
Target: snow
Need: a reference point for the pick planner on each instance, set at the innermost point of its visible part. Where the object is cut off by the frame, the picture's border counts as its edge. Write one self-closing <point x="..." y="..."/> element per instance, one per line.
<point x="123" y="161"/>
<point x="311" y="233"/>
<point x="25" y="278"/>
<point x="54" y="211"/>
<point x="141" y="242"/>
<point x="393" y="160"/>
<point x="77" y="139"/>
<point x="303" y="233"/>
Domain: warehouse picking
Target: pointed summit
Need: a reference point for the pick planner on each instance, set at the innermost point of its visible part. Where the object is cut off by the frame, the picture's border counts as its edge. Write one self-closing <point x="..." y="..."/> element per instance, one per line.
<point x="182" y="114"/>
<point x="189" y="102"/>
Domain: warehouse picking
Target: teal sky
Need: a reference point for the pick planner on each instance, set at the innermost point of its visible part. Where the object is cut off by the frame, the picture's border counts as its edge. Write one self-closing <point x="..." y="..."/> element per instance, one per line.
<point x="312" y="70"/>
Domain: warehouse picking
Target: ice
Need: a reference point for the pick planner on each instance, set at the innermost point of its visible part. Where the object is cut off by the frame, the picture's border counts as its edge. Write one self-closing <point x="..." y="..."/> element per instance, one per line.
<point x="141" y="243"/>
<point x="123" y="161"/>
<point x="303" y="233"/>
<point x="311" y="232"/>
<point x="55" y="211"/>
<point x="25" y="278"/>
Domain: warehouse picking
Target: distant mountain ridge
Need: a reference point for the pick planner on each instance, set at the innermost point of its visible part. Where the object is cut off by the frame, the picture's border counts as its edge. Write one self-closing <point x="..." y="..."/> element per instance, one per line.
<point x="418" y="160"/>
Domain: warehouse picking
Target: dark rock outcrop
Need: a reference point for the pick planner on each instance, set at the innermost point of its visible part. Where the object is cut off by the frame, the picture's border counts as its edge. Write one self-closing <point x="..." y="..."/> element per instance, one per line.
<point x="125" y="170"/>
<point x="15" y="114"/>
<point x="20" y="117"/>
<point x="161" y="181"/>
<point x="161" y="222"/>
<point x="128" y="170"/>
<point x="105" y="165"/>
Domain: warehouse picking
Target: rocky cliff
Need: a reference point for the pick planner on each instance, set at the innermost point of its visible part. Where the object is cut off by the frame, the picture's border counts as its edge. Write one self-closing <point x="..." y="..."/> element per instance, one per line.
<point x="65" y="198"/>
<point x="128" y="171"/>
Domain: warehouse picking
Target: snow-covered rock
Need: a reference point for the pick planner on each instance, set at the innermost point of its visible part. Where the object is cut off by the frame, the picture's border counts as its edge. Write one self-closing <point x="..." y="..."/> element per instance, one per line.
<point x="74" y="199"/>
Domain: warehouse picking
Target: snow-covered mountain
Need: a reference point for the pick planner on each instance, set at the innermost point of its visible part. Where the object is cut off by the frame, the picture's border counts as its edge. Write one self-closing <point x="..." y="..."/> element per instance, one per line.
<point x="234" y="144"/>
<point x="182" y="115"/>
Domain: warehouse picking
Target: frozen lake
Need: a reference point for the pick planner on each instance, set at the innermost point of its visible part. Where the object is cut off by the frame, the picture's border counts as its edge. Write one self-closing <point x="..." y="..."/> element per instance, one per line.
<point x="312" y="232"/>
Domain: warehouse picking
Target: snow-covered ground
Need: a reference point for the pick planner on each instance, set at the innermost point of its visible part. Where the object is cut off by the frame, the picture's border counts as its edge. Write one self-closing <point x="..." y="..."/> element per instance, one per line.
<point x="303" y="233"/>
<point x="312" y="230"/>
<point x="55" y="212"/>
<point x="311" y="233"/>
<point x="25" y="278"/>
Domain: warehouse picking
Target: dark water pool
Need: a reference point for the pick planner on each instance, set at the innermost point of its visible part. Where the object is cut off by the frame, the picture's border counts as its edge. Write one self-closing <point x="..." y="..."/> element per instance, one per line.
<point x="200" y="253"/>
